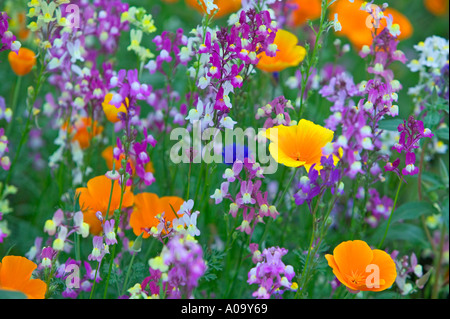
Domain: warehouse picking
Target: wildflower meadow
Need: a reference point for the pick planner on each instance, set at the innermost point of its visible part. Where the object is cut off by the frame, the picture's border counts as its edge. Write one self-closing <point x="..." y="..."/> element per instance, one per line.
<point x="224" y="149"/>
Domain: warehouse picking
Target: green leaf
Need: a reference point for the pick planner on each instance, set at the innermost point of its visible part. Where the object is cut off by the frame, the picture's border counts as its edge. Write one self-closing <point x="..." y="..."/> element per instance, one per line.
<point x="432" y="181"/>
<point x="390" y="124"/>
<point x="423" y="280"/>
<point x="411" y="233"/>
<point x="413" y="210"/>
<point x="444" y="172"/>
<point x="433" y="117"/>
<point x="8" y="294"/>
<point x="400" y="231"/>
<point x="442" y="133"/>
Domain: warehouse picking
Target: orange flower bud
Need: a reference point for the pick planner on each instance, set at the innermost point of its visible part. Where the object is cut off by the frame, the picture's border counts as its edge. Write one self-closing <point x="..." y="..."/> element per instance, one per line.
<point x="23" y="62"/>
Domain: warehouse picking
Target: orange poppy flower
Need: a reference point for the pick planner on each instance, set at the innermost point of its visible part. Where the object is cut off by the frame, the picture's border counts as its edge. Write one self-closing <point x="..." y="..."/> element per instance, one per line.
<point x="108" y="155"/>
<point x="225" y="6"/>
<point x="306" y="10"/>
<point x="436" y="7"/>
<point x="84" y="130"/>
<point x="15" y="275"/>
<point x="359" y="267"/>
<point x="95" y="197"/>
<point x="289" y="54"/>
<point x="22" y="62"/>
<point x="298" y="145"/>
<point x="356" y="23"/>
<point x="147" y="206"/>
<point x="111" y="111"/>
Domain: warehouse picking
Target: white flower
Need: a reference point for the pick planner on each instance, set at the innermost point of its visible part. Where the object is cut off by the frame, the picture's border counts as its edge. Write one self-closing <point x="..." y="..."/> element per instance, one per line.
<point x="336" y="24"/>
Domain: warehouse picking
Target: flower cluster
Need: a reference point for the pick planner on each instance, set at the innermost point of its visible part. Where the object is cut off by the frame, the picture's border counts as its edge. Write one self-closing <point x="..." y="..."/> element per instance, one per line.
<point x="62" y="225"/>
<point x="5" y="162"/>
<point x="318" y="180"/>
<point x="226" y="58"/>
<point x="2" y="234"/>
<point x="378" y="98"/>
<point x="432" y="65"/>
<point x="144" y="23"/>
<point x="411" y="132"/>
<point x="275" y="112"/>
<point x="78" y="284"/>
<point x="270" y="273"/>
<point x="7" y="38"/>
<point x="180" y="265"/>
<point x="378" y="207"/>
<point x="408" y="267"/>
<point x="250" y="198"/>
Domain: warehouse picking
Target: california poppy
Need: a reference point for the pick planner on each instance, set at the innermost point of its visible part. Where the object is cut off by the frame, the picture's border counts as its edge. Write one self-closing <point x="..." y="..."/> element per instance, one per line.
<point x="22" y="62"/>
<point x="95" y="197"/>
<point x="289" y="53"/>
<point x="111" y="111"/>
<point x="84" y="130"/>
<point x="359" y="267"/>
<point x="436" y="7"/>
<point x="15" y="275"/>
<point x="225" y="6"/>
<point x="298" y="145"/>
<point x="357" y="24"/>
<point x="147" y="206"/>
<point x="306" y="10"/>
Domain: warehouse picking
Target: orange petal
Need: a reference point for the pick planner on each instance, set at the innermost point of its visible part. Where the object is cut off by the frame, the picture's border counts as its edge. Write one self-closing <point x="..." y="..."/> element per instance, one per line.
<point x="95" y="226"/>
<point x="15" y="274"/>
<point x="341" y="277"/>
<point x="289" y="54"/>
<point x="22" y="62"/>
<point x="387" y="269"/>
<point x="437" y="7"/>
<point x="225" y="6"/>
<point x="146" y="208"/>
<point x="169" y="204"/>
<point x="35" y="289"/>
<point x="357" y="26"/>
<point x="353" y="256"/>
<point x="306" y="10"/>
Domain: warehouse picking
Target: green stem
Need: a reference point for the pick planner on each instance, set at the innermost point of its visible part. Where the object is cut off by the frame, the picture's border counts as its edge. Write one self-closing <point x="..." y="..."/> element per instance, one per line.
<point x="392" y="213"/>
<point x="280" y="199"/>
<point x="14" y="104"/>
<point x="278" y="202"/>
<point x="230" y="287"/>
<point x="95" y="280"/>
<point x="438" y="263"/>
<point x="27" y="125"/>
<point x="116" y="227"/>
<point x="128" y="273"/>
<point x="188" y="181"/>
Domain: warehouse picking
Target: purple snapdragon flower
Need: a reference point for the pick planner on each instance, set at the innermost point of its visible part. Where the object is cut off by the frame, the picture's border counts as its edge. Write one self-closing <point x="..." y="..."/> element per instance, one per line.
<point x="411" y="132"/>
<point x="270" y="273"/>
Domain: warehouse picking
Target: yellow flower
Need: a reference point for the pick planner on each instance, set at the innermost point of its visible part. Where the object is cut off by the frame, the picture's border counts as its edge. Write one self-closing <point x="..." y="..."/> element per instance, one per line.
<point x="111" y="111"/>
<point x="289" y="53"/>
<point x="298" y="145"/>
